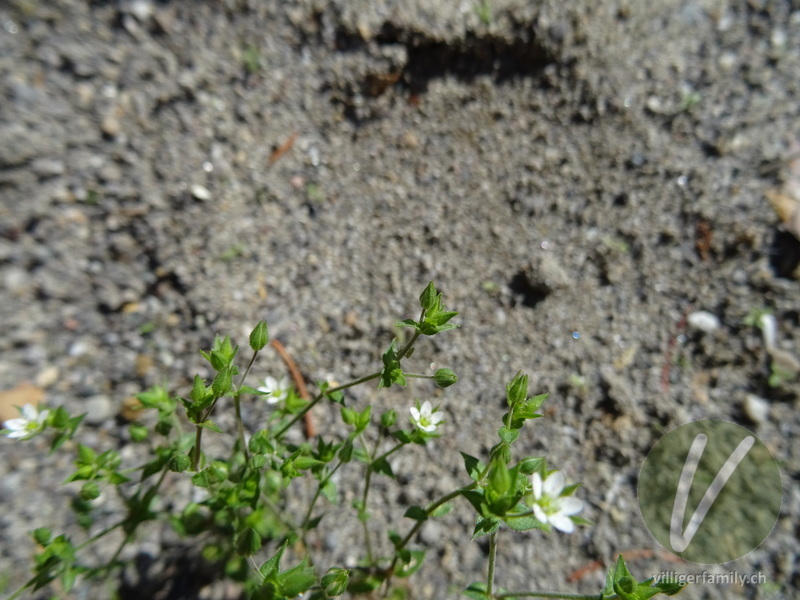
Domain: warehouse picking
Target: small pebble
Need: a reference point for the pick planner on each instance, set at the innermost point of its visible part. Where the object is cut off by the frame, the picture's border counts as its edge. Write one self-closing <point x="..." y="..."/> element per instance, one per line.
<point x="47" y="377"/>
<point x="755" y="408"/>
<point x="200" y="193"/>
<point x="704" y="321"/>
<point x="110" y="125"/>
<point x="98" y="409"/>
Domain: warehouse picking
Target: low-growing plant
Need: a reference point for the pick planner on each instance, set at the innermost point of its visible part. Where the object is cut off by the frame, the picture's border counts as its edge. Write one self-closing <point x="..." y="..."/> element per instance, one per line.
<point x="245" y="508"/>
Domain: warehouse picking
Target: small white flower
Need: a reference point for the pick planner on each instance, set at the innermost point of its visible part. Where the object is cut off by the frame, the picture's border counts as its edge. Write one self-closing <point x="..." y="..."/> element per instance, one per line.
<point x="425" y="418"/>
<point x="28" y="425"/>
<point x="278" y="390"/>
<point x="549" y="506"/>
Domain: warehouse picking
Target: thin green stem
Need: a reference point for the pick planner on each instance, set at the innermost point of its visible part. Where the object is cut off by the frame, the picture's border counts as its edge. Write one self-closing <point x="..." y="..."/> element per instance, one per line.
<point x="418" y="525"/>
<point x="237" y="405"/>
<point x="492" y="559"/>
<point x="319" y="397"/>
<point x="99" y="535"/>
<point x="534" y="594"/>
<point x="196" y="451"/>
<point x="363" y="516"/>
<point x="317" y="494"/>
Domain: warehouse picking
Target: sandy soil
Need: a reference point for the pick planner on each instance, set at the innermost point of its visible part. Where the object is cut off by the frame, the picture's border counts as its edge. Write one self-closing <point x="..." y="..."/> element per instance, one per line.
<point x="577" y="177"/>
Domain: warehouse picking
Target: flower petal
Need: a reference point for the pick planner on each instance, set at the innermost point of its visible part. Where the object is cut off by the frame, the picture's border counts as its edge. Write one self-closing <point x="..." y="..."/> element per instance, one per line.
<point x="554" y="484"/>
<point x="562" y="523"/>
<point x="537" y="486"/>
<point x="539" y="513"/>
<point x="570" y="506"/>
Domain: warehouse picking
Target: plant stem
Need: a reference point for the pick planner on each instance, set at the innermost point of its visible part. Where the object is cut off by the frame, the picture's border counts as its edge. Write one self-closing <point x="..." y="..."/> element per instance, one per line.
<point x="492" y="559"/>
<point x="196" y="454"/>
<point x="549" y="595"/>
<point x="320" y="396"/>
<point x="237" y="405"/>
<point x="418" y="525"/>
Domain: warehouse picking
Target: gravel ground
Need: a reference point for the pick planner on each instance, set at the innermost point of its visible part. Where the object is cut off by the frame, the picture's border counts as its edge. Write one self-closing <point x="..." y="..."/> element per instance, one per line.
<point x="577" y="177"/>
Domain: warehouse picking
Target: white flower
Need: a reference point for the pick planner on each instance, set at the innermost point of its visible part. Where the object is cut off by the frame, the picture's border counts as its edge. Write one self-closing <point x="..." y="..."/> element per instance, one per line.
<point x="28" y="425"/>
<point x="425" y="418"/>
<point x="278" y="390"/>
<point x="549" y="506"/>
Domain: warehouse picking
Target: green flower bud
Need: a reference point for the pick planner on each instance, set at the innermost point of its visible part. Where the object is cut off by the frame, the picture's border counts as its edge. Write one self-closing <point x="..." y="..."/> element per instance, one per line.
<point x="178" y="462"/>
<point x="444" y="378"/>
<point x="138" y="433"/>
<point x="388" y="419"/>
<point x="259" y="336"/>
<point x="89" y="491"/>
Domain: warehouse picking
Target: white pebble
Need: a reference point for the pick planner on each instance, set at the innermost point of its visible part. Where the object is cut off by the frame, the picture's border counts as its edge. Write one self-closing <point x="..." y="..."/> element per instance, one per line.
<point x="769" y="330"/>
<point x="704" y="321"/>
<point x="200" y="193"/>
<point x="755" y="408"/>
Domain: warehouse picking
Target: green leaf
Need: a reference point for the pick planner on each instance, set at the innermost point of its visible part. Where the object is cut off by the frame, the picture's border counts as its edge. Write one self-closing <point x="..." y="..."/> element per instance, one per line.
<point x="473" y="465"/>
<point x="259" y="337"/>
<point x="528" y="465"/>
<point x="417" y="513"/>
<point x="246" y="389"/>
<point x="383" y="467"/>
<point x="442" y="510"/>
<point x="210" y="425"/>
<point x="485" y="527"/>
<point x="297" y="580"/>
<point x="222" y="381"/>
<point x="329" y="492"/>
<point x="86" y="455"/>
<point x="407" y="323"/>
<point x="346" y="452"/>
<point x="248" y="542"/>
<point x="335" y="580"/>
<point x="362" y="422"/>
<point x="349" y="415"/>
<point x="412" y="563"/>
<point x="509" y="436"/>
<point x="391" y="373"/>
<point x="477" y="591"/>
<point x="303" y="463"/>
<point x="42" y="536"/>
<point x="669" y="587"/>
<point x="155" y="397"/>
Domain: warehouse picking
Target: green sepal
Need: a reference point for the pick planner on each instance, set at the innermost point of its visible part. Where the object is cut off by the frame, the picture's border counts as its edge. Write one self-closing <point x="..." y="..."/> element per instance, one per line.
<point x="335" y="580"/>
<point x="517" y="389"/>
